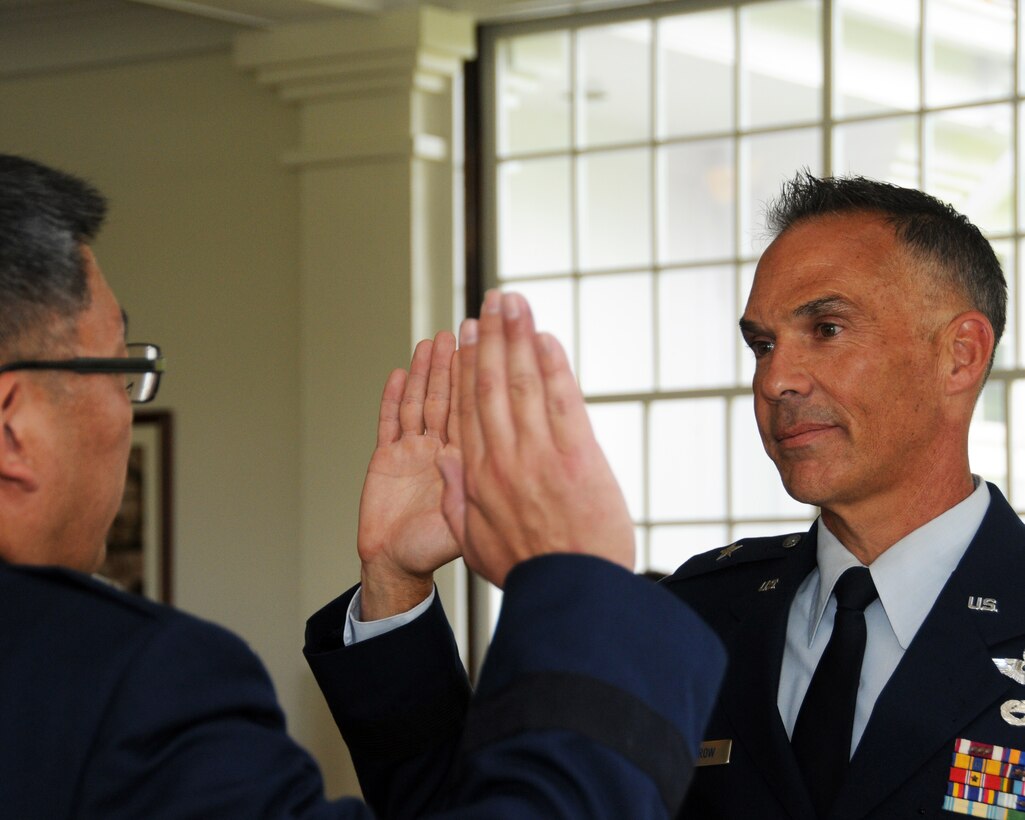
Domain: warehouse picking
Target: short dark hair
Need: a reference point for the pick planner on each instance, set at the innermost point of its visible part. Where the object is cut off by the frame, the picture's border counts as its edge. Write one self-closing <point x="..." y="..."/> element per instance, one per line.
<point x="931" y="229"/>
<point x="45" y="217"/>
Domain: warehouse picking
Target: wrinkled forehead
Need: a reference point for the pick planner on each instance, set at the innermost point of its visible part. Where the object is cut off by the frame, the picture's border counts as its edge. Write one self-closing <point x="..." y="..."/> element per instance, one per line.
<point x="831" y="253"/>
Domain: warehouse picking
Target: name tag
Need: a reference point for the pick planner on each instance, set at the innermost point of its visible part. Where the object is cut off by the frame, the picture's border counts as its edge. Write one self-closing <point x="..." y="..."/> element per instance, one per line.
<point x="714" y="753"/>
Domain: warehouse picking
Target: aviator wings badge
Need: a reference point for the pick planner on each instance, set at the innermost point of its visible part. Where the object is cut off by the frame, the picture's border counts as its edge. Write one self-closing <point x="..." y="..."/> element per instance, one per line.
<point x="1014" y="669"/>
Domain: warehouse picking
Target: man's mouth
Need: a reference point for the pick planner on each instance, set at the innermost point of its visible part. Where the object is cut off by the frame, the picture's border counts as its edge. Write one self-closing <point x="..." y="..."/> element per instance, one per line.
<point x="801" y="435"/>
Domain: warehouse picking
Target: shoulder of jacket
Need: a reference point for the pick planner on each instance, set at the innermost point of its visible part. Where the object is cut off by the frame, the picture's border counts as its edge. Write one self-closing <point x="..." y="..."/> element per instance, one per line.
<point x="76" y="592"/>
<point x="743" y="552"/>
<point x="117" y="626"/>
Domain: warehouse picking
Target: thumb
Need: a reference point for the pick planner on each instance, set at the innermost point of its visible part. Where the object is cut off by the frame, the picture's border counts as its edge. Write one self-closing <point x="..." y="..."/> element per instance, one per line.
<point x="453" y="498"/>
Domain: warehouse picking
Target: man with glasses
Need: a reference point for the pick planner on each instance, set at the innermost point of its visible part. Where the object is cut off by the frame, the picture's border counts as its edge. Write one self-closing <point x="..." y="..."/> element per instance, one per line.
<point x="112" y="706"/>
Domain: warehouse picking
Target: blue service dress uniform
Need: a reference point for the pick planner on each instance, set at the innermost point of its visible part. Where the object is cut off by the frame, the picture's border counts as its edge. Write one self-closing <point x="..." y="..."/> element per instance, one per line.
<point x="947" y="693"/>
<point x="112" y="707"/>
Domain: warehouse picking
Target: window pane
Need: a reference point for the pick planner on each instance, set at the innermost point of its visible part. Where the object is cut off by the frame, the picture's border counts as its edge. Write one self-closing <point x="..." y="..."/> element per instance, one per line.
<point x="781" y="62"/>
<point x="746" y="357"/>
<point x="615" y="210"/>
<point x="534" y="217"/>
<point x="880" y="149"/>
<point x="619" y="430"/>
<point x="551" y="302"/>
<point x="694" y="470"/>
<point x="641" y="563"/>
<point x="987" y="438"/>
<point x="969" y="50"/>
<point x="1017" y="292"/>
<point x="1018" y="445"/>
<point x="876" y="63"/>
<point x="757" y="489"/>
<point x="671" y="546"/>
<point x="687" y="454"/>
<point x="970" y="163"/>
<point x="695" y="219"/>
<point x="765" y="161"/>
<point x="614" y="83"/>
<point x="532" y="74"/>
<point x="696" y="69"/>
<point x="1021" y="170"/>
<point x="1007" y="349"/>
<point x="695" y="309"/>
<point x="615" y="334"/>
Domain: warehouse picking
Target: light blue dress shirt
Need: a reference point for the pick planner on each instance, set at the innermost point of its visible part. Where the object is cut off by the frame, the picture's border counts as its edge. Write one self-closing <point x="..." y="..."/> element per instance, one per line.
<point x="908" y="577"/>
<point x="356" y="630"/>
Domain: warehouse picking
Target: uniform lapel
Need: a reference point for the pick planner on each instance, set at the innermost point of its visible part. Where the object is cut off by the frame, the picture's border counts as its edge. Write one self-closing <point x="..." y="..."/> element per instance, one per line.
<point x="947" y="677"/>
<point x="748" y="697"/>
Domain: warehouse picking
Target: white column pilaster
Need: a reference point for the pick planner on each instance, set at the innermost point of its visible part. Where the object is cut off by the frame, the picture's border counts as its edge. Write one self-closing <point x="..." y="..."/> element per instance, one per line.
<point x="379" y="164"/>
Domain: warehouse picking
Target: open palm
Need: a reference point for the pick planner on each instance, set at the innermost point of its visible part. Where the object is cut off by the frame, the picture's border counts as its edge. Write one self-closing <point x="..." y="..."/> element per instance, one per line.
<point x="400" y="509"/>
<point x="403" y="537"/>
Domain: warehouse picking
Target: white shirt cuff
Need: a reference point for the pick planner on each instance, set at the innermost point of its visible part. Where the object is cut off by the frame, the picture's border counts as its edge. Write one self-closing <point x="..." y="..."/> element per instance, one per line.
<point x="357" y="630"/>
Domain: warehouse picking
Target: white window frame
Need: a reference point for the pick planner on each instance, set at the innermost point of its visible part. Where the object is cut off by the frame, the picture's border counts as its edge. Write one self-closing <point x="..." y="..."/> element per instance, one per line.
<point x="489" y="244"/>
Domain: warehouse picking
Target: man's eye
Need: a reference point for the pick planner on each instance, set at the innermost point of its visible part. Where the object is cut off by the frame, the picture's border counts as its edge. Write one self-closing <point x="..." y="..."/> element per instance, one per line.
<point x="829" y="329"/>
<point x="761" y="347"/>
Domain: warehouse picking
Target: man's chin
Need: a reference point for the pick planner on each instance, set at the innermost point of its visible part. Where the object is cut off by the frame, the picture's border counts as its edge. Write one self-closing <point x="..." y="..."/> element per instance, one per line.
<point x="807" y="486"/>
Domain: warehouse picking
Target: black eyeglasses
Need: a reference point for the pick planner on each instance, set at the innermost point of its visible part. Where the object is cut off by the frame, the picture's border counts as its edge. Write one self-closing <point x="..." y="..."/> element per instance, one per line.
<point x="141" y="368"/>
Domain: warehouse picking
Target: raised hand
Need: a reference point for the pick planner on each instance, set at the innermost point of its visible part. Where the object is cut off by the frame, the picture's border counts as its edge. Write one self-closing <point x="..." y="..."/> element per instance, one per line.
<point x="403" y="537"/>
<point x="532" y="479"/>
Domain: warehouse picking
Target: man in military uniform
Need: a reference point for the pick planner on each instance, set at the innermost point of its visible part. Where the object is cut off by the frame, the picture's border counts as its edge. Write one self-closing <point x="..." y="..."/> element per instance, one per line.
<point x="873" y="318"/>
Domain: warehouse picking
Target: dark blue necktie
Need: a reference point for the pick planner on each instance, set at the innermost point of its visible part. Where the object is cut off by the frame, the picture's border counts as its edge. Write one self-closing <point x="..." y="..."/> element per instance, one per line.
<point x="822" y="735"/>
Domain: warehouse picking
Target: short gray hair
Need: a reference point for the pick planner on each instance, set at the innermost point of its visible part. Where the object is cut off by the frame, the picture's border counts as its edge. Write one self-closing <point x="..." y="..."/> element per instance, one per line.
<point x="45" y="217"/>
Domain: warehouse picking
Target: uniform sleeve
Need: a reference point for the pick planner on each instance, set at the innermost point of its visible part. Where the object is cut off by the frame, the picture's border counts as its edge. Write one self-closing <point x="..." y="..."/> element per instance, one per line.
<point x="399" y="700"/>
<point x="592" y="701"/>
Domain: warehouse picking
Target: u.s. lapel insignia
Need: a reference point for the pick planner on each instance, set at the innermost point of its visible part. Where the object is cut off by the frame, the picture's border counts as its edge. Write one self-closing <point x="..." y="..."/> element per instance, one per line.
<point x="980" y="604"/>
<point x="1014" y="669"/>
<point x="767" y="585"/>
<point x="1013" y="711"/>
<point x="985" y="780"/>
<point x="726" y="552"/>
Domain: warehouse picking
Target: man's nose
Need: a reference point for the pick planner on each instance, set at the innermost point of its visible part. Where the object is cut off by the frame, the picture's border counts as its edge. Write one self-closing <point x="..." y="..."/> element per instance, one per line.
<point x="782" y="373"/>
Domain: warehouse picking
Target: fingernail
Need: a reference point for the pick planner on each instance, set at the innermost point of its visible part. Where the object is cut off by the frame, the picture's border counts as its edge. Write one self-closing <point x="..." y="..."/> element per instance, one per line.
<point x="468" y="332"/>
<point x="492" y="301"/>
<point x="511" y="306"/>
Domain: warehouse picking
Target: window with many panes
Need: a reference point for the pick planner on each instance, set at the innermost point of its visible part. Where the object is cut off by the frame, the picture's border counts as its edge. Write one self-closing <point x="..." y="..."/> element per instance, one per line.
<point x="627" y="159"/>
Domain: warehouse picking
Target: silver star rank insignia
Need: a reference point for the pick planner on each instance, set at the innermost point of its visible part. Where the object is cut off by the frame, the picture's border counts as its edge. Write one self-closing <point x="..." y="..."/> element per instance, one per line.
<point x="726" y="552"/>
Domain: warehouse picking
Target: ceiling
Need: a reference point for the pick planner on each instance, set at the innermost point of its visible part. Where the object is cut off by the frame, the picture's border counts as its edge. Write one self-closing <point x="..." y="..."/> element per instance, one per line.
<point x="40" y="36"/>
<point x="266" y="13"/>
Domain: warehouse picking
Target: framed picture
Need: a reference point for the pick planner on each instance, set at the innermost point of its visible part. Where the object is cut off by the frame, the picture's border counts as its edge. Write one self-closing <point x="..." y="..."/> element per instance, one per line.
<point x="139" y="544"/>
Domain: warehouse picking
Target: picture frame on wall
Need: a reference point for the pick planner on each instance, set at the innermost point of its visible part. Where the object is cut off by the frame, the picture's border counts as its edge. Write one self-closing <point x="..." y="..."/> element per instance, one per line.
<point x="139" y="543"/>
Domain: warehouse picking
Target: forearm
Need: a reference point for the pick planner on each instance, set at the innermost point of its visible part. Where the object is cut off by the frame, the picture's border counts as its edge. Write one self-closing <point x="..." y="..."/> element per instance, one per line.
<point x="398" y="699"/>
<point x="593" y="699"/>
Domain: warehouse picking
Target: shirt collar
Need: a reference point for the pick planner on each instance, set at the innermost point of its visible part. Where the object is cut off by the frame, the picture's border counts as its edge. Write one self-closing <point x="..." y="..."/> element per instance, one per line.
<point x="911" y="573"/>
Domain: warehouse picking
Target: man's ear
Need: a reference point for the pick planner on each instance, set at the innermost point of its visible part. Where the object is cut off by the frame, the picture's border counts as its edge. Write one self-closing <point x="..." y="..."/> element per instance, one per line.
<point x="17" y="418"/>
<point x="969" y="343"/>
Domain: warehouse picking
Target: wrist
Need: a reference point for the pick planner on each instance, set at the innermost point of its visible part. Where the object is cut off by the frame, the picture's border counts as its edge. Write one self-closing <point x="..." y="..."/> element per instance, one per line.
<point x="389" y="591"/>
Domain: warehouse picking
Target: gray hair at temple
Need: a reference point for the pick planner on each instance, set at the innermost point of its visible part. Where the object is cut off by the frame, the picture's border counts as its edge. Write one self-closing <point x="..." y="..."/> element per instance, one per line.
<point x="45" y="217"/>
<point x="949" y="245"/>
